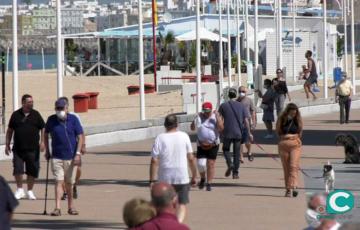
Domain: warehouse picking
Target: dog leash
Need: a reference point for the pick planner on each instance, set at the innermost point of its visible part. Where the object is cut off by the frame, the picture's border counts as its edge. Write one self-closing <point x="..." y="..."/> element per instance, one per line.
<point x="277" y="160"/>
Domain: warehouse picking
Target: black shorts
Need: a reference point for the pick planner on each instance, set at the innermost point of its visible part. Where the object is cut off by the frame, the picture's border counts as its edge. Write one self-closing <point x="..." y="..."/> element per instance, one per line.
<point x="28" y="160"/>
<point x="182" y="191"/>
<point x="208" y="154"/>
<point x="245" y="136"/>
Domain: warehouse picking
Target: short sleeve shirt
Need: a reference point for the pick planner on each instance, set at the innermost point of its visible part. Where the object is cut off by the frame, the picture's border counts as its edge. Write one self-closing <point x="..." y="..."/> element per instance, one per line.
<point x="232" y="129"/>
<point x="171" y="149"/>
<point x="7" y="204"/>
<point x="248" y="103"/>
<point x="344" y="88"/>
<point x="269" y="98"/>
<point x="162" y="221"/>
<point x="207" y="129"/>
<point x="63" y="136"/>
<point x="26" y="130"/>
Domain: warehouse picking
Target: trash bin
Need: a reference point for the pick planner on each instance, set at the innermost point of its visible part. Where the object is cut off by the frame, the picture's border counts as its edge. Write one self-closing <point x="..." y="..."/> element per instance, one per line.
<point x="149" y="88"/>
<point x="81" y="102"/>
<point x="337" y="74"/>
<point x="93" y="99"/>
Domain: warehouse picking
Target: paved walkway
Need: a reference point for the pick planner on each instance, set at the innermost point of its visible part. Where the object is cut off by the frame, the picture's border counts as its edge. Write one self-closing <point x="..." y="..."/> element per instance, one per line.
<point x="114" y="174"/>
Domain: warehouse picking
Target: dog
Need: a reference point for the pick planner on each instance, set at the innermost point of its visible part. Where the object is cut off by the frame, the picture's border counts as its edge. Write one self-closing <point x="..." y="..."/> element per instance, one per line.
<point x="351" y="147"/>
<point x="329" y="177"/>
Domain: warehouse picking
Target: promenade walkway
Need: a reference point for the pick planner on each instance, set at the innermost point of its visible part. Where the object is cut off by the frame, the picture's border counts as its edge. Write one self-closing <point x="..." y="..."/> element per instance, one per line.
<point x="114" y="174"/>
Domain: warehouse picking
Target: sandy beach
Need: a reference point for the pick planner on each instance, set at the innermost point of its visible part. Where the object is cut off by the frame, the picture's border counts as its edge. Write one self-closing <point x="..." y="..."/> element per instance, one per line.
<point x="115" y="105"/>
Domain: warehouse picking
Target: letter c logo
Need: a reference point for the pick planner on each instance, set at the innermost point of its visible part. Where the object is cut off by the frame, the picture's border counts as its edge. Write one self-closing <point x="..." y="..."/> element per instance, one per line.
<point x="340" y="201"/>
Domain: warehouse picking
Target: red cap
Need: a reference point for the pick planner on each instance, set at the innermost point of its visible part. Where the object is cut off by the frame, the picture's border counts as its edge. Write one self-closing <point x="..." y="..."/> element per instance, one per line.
<point x="207" y="107"/>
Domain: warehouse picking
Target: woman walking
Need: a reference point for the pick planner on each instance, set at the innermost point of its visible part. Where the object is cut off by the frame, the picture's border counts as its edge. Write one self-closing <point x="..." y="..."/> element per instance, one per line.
<point x="289" y="127"/>
<point x="267" y="104"/>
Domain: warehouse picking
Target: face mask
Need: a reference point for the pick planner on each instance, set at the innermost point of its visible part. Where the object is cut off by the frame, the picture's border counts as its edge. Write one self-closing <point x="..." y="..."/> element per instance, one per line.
<point x="61" y="114"/>
<point x="242" y="94"/>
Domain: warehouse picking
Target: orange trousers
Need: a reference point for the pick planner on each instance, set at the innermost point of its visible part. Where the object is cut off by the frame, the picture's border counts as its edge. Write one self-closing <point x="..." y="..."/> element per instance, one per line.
<point x="290" y="152"/>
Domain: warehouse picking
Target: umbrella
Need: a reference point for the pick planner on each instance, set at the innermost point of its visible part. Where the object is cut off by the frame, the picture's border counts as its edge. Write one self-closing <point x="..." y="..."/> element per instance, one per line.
<point x="204" y="35"/>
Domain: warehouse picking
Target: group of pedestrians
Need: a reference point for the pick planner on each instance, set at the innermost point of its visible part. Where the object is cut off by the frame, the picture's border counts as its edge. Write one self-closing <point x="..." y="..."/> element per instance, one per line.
<point x="31" y="135"/>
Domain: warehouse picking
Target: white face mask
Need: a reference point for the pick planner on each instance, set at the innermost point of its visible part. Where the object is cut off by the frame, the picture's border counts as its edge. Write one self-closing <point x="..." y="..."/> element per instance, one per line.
<point x="242" y="94"/>
<point x="61" y="114"/>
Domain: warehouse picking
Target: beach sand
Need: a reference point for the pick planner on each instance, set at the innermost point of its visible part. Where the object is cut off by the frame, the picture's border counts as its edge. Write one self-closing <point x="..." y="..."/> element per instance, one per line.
<point x="114" y="103"/>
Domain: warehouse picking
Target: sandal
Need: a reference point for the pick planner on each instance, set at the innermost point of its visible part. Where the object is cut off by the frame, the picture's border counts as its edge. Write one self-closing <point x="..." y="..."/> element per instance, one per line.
<point x="295" y="192"/>
<point x="250" y="157"/>
<point x="288" y="193"/>
<point x="56" y="212"/>
<point x="73" y="212"/>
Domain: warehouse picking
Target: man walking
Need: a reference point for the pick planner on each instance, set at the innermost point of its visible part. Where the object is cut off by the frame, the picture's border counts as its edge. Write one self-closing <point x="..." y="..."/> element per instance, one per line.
<point x="83" y="150"/>
<point x="236" y="123"/>
<point x="250" y="109"/>
<point x="343" y="96"/>
<point x="25" y="124"/>
<point x="312" y="78"/>
<point x="164" y="199"/>
<point x="170" y="155"/>
<point x="66" y="141"/>
<point x="208" y="124"/>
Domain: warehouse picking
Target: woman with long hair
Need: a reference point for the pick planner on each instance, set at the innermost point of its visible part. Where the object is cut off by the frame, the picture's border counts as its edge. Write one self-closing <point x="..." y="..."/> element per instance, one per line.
<point x="289" y="127"/>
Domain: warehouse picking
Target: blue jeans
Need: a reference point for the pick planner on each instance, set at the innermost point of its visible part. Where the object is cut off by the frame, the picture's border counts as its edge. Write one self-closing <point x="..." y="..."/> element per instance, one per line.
<point x="235" y="163"/>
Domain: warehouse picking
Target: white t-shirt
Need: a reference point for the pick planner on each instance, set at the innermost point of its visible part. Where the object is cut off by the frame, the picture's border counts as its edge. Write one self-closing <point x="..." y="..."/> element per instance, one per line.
<point x="171" y="149"/>
<point x="207" y="129"/>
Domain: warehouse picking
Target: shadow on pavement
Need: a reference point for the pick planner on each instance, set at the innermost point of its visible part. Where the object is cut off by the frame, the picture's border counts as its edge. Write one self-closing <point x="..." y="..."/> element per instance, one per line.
<point x="65" y="224"/>
<point x="124" y="153"/>
<point x="92" y="182"/>
<point x="259" y="195"/>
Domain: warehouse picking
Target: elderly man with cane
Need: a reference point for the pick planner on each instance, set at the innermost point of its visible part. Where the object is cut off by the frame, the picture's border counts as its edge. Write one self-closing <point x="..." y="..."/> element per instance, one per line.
<point x="66" y="141"/>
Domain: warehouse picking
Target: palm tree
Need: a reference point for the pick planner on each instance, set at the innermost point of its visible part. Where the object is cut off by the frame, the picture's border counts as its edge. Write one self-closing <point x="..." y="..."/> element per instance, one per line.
<point x="27" y="2"/>
<point x="166" y="54"/>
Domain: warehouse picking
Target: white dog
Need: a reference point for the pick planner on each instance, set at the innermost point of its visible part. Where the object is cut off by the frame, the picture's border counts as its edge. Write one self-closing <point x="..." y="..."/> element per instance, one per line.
<point x="329" y="177"/>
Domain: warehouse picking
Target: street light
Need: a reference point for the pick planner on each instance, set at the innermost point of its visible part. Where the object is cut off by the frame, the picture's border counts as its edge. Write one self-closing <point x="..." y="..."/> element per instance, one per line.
<point x="15" y="58"/>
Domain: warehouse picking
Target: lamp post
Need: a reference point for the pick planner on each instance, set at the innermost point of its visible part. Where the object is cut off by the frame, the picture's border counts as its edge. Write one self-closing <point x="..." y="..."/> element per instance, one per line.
<point x="294" y="39"/>
<point x="256" y="46"/>
<point x="345" y="35"/>
<point x="353" y="64"/>
<point x="59" y="49"/>
<point x="325" y="61"/>
<point x="15" y="58"/>
<point x="279" y="39"/>
<point x="141" y="63"/>
<point x="238" y="41"/>
<point x="221" y="60"/>
<point x="229" y="44"/>
<point x="198" y="59"/>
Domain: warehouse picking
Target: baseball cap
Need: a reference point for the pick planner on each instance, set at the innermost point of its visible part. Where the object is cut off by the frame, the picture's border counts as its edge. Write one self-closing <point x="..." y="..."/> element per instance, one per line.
<point x="60" y="103"/>
<point x="207" y="107"/>
<point x="279" y="71"/>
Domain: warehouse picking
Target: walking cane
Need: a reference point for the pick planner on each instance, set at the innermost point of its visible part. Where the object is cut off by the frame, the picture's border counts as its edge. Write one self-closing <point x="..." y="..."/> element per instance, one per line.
<point x="46" y="184"/>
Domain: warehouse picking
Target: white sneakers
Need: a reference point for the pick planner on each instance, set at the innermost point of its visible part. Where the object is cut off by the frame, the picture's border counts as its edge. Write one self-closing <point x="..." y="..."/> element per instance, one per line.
<point x="31" y="195"/>
<point x="20" y="194"/>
